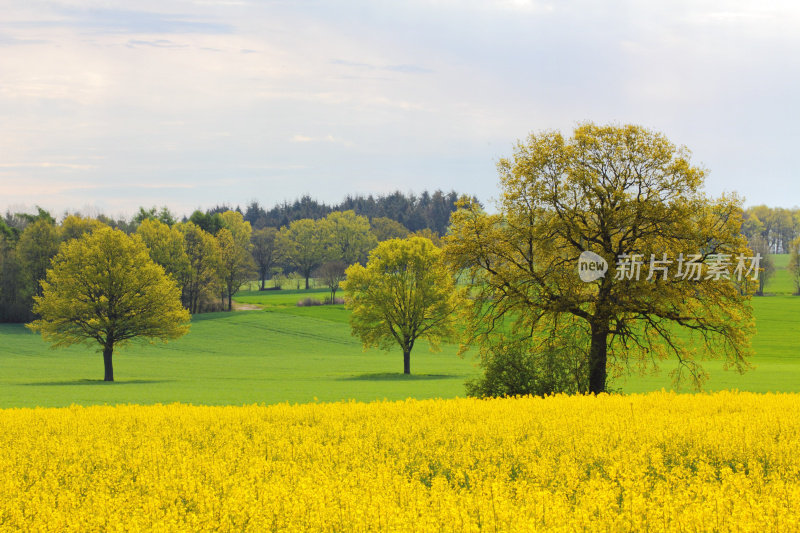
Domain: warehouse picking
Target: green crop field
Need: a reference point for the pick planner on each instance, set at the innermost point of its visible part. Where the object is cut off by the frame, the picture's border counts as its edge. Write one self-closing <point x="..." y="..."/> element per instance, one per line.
<point x="285" y="353"/>
<point x="282" y="353"/>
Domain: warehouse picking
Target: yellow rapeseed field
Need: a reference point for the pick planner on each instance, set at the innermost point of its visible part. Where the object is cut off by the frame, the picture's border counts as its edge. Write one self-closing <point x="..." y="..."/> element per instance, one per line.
<point x="650" y="462"/>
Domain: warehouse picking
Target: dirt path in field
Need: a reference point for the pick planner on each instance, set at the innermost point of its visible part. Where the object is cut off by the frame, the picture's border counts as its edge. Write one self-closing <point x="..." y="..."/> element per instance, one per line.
<point x="245" y="307"/>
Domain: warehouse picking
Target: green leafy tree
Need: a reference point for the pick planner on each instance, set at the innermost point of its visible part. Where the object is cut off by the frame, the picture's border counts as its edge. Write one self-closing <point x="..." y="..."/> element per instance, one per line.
<point x="208" y="222"/>
<point x="167" y="247"/>
<point x="428" y="234"/>
<point x="75" y="226"/>
<point x="8" y="232"/>
<point x="41" y="214"/>
<point x="15" y="293"/>
<point x="610" y="191"/>
<point x="385" y="228"/>
<point x="403" y="294"/>
<point x="200" y="280"/>
<point x="266" y="251"/>
<point x="236" y="263"/>
<point x="104" y="288"/>
<point x="36" y="247"/>
<point x="331" y="274"/>
<point x="751" y="224"/>
<point x="303" y="246"/>
<point x="163" y="215"/>
<point x="347" y="236"/>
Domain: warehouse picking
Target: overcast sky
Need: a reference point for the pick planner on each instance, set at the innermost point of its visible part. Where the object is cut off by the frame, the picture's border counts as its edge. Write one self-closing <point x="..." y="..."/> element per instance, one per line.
<point x="106" y="106"/>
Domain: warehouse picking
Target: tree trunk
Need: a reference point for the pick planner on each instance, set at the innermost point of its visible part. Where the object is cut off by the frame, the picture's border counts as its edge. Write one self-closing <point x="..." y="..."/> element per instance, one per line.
<point x="230" y="301"/>
<point x="598" y="352"/>
<point x="306" y="282"/>
<point x="108" y="350"/>
<point x="407" y="361"/>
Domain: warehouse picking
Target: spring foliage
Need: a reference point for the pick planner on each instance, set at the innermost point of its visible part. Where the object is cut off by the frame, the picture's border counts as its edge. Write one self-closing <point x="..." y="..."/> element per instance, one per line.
<point x="611" y="191"/>
<point x="103" y="288"/>
<point x="403" y="294"/>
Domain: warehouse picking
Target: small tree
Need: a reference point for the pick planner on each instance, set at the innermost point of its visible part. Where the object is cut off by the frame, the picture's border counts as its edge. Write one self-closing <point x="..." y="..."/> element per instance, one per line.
<point x="404" y="293"/>
<point x="104" y="288"/>
<point x="236" y="263"/>
<point x="331" y="274"/>
<point x="36" y="247"/>
<point x="201" y="279"/>
<point x="266" y="252"/>
<point x="302" y="245"/>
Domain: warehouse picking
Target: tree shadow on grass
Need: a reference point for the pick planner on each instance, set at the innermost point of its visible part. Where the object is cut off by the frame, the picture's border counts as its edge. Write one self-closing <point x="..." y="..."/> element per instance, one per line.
<point x="95" y="382"/>
<point x="397" y="376"/>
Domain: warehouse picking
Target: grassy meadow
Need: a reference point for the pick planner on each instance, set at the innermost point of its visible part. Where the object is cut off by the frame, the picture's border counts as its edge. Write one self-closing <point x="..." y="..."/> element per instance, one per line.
<point x="284" y="353"/>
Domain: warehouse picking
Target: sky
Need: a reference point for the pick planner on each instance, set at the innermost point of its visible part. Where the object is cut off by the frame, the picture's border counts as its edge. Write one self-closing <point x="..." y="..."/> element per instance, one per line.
<point x="107" y="106"/>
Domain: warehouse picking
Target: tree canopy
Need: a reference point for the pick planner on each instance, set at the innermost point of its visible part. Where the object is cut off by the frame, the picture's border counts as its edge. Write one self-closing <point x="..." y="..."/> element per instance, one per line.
<point x="403" y="294"/>
<point x="236" y="263"/>
<point x="200" y="281"/>
<point x="347" y="237"/>
<point x="620" y="193"/>
<point x="266" y="251"/>
<point x="303" y="245"/>
<point x="104" y="288"/>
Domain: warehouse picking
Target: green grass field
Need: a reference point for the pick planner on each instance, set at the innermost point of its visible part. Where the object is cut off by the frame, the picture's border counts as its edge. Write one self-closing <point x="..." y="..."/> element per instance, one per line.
<point x="284" y="353"/>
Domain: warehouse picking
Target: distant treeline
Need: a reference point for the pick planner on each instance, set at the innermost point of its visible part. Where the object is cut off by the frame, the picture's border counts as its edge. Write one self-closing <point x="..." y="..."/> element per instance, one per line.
<point x="776" y="226"/>
<point x="211" y="253"/>
<point x="431" y="211"/>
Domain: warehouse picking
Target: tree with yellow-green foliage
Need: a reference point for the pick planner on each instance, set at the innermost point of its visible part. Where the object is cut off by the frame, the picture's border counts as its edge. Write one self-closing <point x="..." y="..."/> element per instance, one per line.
<point x="36" y="247"/>
<point x="404" y="293"/>
<point x="347" y="236"/>
<point x="266" y="251"/>
<point x="236" y="263"/>
<point x="616" y="192"/>
<point x="167" y="247"/>
<point x="104" y="288"/>
<point x="200" y="281"/>
<point x="385" y="228"/>
<point x="75" y="226"/>
<point x="303" y="245"/>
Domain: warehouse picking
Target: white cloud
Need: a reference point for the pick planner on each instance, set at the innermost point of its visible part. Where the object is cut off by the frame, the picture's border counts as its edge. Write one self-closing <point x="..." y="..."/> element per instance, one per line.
<point x="47" y="164"/>
<point x="369" y="97"/>
<point x="324" y="139"/>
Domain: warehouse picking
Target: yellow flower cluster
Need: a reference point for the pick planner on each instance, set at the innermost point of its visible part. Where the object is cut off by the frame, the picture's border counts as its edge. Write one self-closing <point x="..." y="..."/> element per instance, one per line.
<point x="653" y="462"/>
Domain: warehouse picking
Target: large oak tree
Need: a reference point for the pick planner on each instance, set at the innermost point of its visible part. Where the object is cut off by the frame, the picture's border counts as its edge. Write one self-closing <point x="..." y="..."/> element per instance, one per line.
<point x="104" y="288"/>
<point x="611" y="191"/>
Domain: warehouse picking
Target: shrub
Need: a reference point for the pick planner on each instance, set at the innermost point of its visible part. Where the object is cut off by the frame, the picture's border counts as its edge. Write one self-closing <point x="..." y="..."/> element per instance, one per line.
<point x="308" y="302"/>
<point x="520" y="368"/>
<point x="278" y="280"/>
